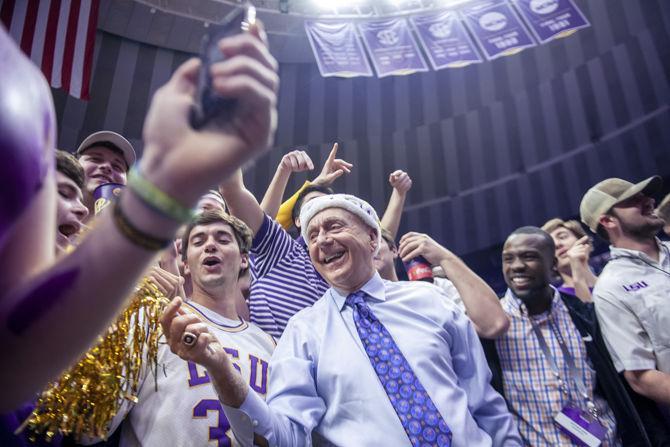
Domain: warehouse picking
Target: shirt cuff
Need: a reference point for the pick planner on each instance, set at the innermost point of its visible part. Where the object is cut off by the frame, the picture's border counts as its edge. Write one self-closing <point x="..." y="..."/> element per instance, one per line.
<point x="253" y="416"/>
<point x="635" y="365"/>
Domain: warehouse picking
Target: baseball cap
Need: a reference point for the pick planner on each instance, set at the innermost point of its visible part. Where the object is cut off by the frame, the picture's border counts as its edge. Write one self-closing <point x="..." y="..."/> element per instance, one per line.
<point x="111" y="137"/>
<point x="663" y="210"/>
<point x="602" y="197"/>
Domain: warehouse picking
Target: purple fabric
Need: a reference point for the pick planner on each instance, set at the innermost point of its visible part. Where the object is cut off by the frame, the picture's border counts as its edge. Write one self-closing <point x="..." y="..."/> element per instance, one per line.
<point x="337" y="49"/>
<point x="32" y="307"/>
<point x="391" y="46"/>
<point x="445" y="40"/>
<point x="497" y="28"/>
<point x="570" y="290"/>
<point x="9" y="422"/>
<point x="549" y="19"/>
<point x="27" y="132"/>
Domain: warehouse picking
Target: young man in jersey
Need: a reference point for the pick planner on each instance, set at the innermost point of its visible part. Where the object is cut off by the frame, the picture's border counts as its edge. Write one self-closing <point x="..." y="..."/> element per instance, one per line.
<point x="184" y="408"/>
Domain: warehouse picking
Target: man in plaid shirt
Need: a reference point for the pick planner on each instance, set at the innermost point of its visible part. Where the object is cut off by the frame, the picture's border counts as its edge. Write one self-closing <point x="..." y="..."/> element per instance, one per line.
<point x="538" y="392"/>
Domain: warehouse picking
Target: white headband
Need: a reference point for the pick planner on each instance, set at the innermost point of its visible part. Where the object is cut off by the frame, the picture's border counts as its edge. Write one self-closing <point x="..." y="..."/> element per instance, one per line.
<point x="350" y="203"/>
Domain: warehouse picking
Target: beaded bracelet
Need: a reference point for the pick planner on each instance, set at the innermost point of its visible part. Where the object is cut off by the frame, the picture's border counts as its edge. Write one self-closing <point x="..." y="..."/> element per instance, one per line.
<point x="159" y="201"/>
<point x="135" y="235"/>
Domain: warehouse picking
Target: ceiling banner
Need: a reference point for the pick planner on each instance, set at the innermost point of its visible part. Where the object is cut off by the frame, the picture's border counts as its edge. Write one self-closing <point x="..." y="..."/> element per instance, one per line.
<point x="445" y="40"/>
<point x="392" y="47"/>
<point x="551" y="19"/>
<point x="497" y="28"/>
<point x="338" y="49"/>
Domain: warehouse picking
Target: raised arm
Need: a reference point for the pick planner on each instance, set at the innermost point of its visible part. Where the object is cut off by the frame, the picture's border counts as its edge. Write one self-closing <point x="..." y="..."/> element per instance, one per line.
<point x="332" y="169"/>
<point x="582" y="277"/>
<point x="294" y="161"/>
<point x="480" y="301"/>
<point x="47" y="320"/>
<point x="401" y="183"/>
<point x="241" y="202"/>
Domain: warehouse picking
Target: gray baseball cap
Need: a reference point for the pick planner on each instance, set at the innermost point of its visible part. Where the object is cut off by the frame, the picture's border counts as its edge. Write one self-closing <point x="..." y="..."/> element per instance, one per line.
<point x="602" y="197"/>
<point x="111" y="137"/>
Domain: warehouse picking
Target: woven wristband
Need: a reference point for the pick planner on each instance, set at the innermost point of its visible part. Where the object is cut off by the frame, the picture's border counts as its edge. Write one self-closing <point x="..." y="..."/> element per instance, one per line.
<point x="157" y="199"/>
<point x="134" y="235"/>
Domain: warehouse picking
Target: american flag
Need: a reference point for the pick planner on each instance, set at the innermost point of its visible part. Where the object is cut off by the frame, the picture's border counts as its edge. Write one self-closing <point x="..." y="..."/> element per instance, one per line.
<point x="59" y="37"/>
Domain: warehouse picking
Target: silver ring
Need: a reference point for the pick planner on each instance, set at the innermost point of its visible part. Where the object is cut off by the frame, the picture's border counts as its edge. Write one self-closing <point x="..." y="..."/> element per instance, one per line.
<point x="189" y="338"/>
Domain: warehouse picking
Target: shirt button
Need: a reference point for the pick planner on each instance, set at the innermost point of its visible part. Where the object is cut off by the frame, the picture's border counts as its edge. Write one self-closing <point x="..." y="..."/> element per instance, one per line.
<point x="255" y="423"/>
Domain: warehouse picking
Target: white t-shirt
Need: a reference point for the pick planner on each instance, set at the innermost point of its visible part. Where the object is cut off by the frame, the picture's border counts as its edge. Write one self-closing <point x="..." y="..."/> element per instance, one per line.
<point x="184" y="410"/>
<point x="632" y="299"/>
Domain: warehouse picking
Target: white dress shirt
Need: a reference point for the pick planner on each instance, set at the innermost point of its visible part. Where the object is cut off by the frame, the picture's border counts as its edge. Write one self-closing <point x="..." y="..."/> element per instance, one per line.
<point x="325" y="391"/>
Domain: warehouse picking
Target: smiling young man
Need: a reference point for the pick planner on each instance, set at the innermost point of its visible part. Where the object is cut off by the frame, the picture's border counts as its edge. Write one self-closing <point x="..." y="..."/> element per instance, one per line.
<point x="183" y="408"/>
<point x="106" y="158"/>
<point x="553" y="361"/>
<point x="372" y="362"/>
<point x="632" y="293"/>
<point x="71" y="210"/>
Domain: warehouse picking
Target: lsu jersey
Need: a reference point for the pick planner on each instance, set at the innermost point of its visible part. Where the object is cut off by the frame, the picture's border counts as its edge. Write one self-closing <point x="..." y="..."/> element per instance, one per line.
<point x="184" y="409"/>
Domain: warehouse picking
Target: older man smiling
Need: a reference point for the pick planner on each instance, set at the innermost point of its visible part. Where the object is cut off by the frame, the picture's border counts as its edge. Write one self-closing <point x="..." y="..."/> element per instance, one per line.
<point x="372" y="362"/>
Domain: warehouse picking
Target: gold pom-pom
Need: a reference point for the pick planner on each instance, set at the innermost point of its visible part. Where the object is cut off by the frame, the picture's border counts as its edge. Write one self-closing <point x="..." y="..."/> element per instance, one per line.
<point x="85" y="399"/>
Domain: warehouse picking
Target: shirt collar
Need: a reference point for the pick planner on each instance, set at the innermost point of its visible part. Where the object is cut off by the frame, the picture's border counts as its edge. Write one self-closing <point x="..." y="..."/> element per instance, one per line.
<point x="616" y="252"/>
<point x="515" y="306"/>
<point x="374" y="288"/>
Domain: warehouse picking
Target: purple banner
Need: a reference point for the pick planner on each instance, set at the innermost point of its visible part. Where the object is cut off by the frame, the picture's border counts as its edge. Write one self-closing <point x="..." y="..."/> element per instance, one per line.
<point x="445" y="40"/>
<point x="497" y="28"/>
<point x="338" y="49"/>
<point x="551" y="19"/>
<point x="392" y="48"/>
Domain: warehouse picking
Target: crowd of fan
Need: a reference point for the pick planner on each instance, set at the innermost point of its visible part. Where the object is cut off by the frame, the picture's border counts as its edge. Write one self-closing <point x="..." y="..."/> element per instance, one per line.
<point x="288" y="322"/>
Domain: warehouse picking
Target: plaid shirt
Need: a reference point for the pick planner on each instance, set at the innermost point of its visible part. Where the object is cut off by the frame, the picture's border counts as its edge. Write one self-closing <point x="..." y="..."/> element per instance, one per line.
<point x="531" y="389"/>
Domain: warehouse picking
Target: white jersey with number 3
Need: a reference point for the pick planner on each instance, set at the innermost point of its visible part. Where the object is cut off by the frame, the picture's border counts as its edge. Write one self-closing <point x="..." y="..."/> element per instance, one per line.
<point x="185" y="409"/>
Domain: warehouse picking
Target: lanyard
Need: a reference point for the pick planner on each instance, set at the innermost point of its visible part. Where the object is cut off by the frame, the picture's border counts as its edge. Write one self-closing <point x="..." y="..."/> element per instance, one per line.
<point x="574" y="373"/>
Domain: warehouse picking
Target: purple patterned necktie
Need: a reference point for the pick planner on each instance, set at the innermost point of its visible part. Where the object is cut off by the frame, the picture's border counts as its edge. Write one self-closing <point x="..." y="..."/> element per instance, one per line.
<point x="417" y="412"/>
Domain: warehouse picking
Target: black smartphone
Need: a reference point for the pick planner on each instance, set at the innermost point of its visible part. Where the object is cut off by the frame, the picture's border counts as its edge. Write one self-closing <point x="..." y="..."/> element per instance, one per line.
<point x="208" y="104"/>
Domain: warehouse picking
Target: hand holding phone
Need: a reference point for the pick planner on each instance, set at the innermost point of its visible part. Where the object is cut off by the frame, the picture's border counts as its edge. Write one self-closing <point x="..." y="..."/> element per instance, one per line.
<point x="210" y="105"/>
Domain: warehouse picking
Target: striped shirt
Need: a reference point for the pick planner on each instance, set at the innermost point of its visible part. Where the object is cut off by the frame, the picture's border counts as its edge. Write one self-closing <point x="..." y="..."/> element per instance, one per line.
<point x="530" y="387"/>
<point x="284" y="278"/>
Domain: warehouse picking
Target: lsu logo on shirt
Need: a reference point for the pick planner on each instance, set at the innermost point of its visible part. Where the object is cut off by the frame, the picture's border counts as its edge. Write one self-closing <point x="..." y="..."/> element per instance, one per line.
<point x="635" y="286"/>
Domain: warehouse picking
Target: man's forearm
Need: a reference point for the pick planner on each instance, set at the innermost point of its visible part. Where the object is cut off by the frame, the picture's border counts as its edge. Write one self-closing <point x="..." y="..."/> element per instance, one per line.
<point x="272" y="199"/>
<point x="242" y="204"/>
<point x="651" y="383"/>
<point x="480" y="301"/>
<point x="229" y="385"/>
<point x="583" y="280"/>
<point x="393" y="214"/>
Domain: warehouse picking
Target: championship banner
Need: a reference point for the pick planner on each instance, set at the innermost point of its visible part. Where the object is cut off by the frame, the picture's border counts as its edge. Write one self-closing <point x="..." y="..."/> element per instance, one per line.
<point x="497" y="28"/>
<point x="338" y="49"/>
<point x="551" y="19"/>
<point x="392" y="47"/>
<point x="445" y="40"/>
